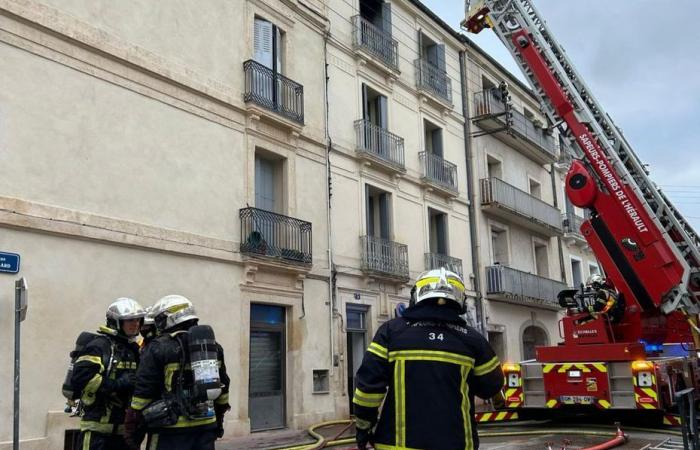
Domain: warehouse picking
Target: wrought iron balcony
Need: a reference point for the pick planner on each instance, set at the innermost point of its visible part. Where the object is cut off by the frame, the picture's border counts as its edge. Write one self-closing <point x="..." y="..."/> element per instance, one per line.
<point x="515" y="205"/>
<point x="433" y="80"/>
<point x="375" y="41"/>
<point x="380" y="145"/>
<point x="521" y="288"/>
<point x="489" y="112"/>
<point x="438" y="172"/>
<point x="436" y="260"/>
<point x="384" y="257"/>
<point x="572" y="223"/>
<point x="273" y="235"/>
<point x="273" y="91"/>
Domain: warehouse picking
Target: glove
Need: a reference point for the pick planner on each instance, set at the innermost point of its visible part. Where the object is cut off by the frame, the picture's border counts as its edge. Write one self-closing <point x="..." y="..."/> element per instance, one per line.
<point x="122" y="385"/>
<point x="134" y="429"/>
<point x="220" y="410"/>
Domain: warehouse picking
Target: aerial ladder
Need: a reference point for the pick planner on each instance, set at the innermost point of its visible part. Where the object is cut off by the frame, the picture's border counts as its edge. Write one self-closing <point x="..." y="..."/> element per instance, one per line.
<point x="649" y="252"/>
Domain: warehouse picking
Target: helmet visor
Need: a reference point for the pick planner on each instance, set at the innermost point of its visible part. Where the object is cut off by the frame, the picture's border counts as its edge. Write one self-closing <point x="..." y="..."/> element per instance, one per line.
<point x="449" y="287"/>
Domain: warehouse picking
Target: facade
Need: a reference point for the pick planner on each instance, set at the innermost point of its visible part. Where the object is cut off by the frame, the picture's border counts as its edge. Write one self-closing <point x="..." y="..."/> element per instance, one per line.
<point x="291" y="171"/>
<point x="399" y="183"/>
<point x="517" y="197"/>
<point x="146" y="157"/>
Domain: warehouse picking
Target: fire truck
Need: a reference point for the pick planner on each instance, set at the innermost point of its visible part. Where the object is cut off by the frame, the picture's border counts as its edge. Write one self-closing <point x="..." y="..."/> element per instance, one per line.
<point x="639" y="355"/>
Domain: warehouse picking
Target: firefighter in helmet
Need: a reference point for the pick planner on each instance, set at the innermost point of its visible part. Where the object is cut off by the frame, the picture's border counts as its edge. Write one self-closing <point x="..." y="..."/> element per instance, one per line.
<point x="425" y="367"/>
<point x="166" y="399"/>
<point x="105" y="375"/>
<point x="605" y="300"/>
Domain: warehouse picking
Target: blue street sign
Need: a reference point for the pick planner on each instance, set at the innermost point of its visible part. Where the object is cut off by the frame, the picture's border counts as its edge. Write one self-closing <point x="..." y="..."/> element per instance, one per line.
<point x="9" y="262"/>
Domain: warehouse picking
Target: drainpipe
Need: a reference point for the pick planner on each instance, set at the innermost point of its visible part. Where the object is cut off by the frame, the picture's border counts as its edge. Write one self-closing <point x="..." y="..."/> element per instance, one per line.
<point x="331" y="265"/>
<point x="560" y="246"/>
<point x="471" y="195"/>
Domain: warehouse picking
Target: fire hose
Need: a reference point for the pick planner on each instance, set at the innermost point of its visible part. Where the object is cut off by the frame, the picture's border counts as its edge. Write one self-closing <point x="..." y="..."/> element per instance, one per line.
<point x="617" y="439"/>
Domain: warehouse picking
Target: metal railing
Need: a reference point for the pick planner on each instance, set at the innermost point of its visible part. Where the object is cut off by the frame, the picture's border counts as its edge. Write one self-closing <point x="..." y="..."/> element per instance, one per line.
<point x="437" y="170"/>
<point x="271" y="234"/>
<point x="375" y="41"/>
<point x="384" y="256"/>
<point x="273" y="91"/>
<point x="380" y="142"/>
<point x="497" y="191"/>
<point x="522" y="287"/>
<point x="572" y="223"/>
<point x="437" y="260"/>
<point x="490" y="103"/>
<point x="433" y="80"/>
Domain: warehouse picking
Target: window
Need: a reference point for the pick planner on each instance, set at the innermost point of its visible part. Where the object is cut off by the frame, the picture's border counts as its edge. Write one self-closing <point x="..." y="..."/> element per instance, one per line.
<point x="533" y="337"/>
<point x="541" y="259"/>
<point x="494" y="168"/>
<point x="499" y="245"/>
<point x="356" y="331"/>
<point x="378" y="204"/>
<point x="576" y="273"/>
<point x="593" y="269"/>
<point x="535" y="188"/>
<point x="268" y="182"/>
<point x="378" y="13"/>
<point x="487" y="84"/>
<point x="433" y="139"/>
<point x="374" y="107"/>
<point x="438" y="232"/>
<point x="267" y="45"/>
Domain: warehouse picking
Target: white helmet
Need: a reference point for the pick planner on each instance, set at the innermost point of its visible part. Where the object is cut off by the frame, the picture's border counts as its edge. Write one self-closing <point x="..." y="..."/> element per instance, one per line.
<point x="441" y="284"/>
<point x="148" y="318"/>
<point x="595" y="281"/>
<point x="123" y="309"/>
<point x="172" y="310"/>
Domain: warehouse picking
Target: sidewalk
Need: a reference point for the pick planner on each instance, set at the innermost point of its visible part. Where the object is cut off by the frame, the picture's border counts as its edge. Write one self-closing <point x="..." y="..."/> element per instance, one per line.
<point x="266" y="440"/>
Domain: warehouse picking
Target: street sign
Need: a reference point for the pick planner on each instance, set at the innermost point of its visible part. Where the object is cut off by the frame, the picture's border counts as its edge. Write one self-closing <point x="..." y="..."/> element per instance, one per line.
<point x="9" y="262"/>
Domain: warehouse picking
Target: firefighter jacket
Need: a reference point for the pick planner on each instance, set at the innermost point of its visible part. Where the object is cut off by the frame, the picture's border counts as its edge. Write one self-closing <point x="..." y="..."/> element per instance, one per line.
<point x="425" y="367"/>
<point x="100" y="373"/>
<point x="160" y="372"/>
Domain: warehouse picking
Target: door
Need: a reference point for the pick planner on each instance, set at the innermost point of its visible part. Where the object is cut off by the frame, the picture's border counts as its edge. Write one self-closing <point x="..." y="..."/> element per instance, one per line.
<point x="266" y="392"/>
<point x="356" y="328"/>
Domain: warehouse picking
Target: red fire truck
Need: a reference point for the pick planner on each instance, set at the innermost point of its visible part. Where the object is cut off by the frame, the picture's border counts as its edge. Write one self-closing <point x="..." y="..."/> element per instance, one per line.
<point x="639" y="355"/>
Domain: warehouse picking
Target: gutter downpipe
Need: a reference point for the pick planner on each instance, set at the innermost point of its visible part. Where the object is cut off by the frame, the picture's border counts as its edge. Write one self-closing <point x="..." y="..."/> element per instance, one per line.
<point x="555" y="196"/>
<point x="331" y="265"/>
<point x="469" y="157"/>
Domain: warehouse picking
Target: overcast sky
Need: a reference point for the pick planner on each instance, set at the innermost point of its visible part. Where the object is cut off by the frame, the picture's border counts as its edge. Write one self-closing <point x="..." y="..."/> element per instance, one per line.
<point x="640" y="58"/>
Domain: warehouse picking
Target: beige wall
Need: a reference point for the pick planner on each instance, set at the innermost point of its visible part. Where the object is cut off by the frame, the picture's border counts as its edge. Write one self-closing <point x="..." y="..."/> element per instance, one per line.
<point x="132" y="152"/>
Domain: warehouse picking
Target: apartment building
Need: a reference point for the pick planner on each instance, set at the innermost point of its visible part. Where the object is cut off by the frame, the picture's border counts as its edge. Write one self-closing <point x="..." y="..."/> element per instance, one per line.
<point x="399" y="184"/>
<point x="517" y="210"/>
<point x="168" y="147"/>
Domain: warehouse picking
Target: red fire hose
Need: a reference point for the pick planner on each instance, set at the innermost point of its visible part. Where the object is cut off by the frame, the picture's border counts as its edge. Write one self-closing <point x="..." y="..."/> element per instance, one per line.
<point x="619" y="439"/>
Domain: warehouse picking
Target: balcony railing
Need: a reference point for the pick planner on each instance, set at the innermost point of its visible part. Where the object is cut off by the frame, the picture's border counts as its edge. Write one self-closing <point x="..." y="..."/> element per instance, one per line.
<point x="380" y="143"/>
<point x="437" y="170"/>
<point x="273" y="91"/>
<point x="497" y="192"/>
<point x="489" y="103"/>
<point x="436" y="260"/>
<point x="384" y="257"/>
<point x="433" y="80"/>
<point x="273" y="235"/>
<point x="514" y="286"/>
<point x="375" y="41"/>
<point x="572" y="223"/>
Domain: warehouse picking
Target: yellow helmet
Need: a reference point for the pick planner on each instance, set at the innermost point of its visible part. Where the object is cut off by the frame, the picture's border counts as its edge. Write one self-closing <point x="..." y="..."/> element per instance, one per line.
<point x="440" y="284"/>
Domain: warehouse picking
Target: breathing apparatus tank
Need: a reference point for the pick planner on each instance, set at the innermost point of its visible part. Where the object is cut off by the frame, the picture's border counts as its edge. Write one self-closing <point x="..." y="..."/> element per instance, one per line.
<point x="205" y="367"/>
<point x="80" y="343"/>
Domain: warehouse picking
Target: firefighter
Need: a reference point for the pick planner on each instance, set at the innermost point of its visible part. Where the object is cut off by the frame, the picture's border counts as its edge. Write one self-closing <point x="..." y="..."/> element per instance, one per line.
<point x="425" y="367"/>
<point x="105" y="374"/>
<point x="163" y="397"/>
<point x="605" y="300"/>
<point x="148" y="329"/>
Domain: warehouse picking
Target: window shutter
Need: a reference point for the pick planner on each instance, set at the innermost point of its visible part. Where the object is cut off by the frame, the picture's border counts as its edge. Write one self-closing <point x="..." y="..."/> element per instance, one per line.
<point x="441" y="222"/>
<point x="365" y="106"/>
<point x="441" y="63"/>
<point x="262" y="43"/>
<point x="382" y="105"/>
<point x="386" y="17"/>
<point x="384" y="215"/>
<point x="420" y="44"/>
<point x="370" y="211"/>
<point x="436" y="136"/>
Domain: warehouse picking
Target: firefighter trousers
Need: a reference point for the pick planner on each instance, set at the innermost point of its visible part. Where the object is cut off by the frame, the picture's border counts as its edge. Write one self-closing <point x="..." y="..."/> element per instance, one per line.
<point x="89" y="440"/>
<point x="186" y="440"/>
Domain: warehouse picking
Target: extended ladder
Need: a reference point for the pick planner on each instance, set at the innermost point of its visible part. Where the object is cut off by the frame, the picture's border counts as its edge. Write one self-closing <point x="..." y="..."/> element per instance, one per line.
<point x="510" y="16"/>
